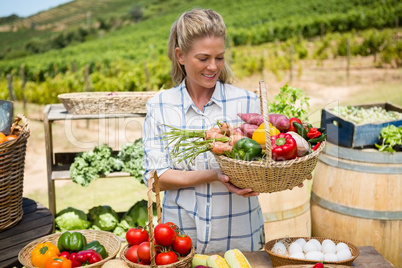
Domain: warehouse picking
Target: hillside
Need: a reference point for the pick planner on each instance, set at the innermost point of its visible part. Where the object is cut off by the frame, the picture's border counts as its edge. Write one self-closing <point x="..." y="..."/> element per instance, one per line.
<point x="123" y="58"/>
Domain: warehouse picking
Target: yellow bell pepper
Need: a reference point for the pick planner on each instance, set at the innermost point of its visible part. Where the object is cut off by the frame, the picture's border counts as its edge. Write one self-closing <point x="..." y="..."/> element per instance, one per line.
<point x="259" y="133"/>
<point x="42" y="252"/>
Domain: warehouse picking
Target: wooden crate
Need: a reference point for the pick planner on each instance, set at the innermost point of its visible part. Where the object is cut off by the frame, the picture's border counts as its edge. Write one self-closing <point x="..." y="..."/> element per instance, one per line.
<point x="349" y="134"/>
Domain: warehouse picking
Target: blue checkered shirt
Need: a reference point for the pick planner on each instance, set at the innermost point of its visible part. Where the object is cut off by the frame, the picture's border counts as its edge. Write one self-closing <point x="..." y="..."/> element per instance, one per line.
<point x="214" y="218"/>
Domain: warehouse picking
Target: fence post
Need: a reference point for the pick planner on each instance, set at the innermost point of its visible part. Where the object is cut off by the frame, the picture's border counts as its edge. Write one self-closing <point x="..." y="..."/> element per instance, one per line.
<point x="24" y="101"/>
<point x="11" y="94"/>
<point x="348" y="59"/>
<point x="291" y="63"/>
<point x="86" y="78"/>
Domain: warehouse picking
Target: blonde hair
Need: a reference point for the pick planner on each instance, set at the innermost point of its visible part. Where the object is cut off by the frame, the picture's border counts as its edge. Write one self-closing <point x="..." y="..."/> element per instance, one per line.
<point x="192" y="25"/>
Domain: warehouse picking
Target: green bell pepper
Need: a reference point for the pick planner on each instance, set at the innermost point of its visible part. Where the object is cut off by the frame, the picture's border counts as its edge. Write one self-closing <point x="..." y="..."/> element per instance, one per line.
<point x="72" y="242"/>
<point x="98" y="247"/>
<point x="246" y="149"/>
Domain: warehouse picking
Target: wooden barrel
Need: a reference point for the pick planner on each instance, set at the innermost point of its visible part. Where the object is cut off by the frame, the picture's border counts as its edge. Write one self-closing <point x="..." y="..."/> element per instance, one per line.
<point x="286" y="213"/>
<point x="357" y="197"/>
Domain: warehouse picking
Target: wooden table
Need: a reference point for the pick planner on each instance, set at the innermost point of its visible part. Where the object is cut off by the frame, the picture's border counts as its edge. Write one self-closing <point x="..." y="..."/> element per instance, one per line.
<point x="36" y="222"/>
<point x="368" y="258"/>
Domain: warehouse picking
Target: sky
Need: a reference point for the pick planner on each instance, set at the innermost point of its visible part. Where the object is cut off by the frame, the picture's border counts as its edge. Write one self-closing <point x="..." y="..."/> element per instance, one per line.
<point x="25" y="8"/>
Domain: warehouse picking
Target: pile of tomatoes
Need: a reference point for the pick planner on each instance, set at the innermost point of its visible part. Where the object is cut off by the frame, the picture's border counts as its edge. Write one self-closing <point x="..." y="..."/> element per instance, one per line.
<point x="4" y="137"/>
<point x="171" y="244"/>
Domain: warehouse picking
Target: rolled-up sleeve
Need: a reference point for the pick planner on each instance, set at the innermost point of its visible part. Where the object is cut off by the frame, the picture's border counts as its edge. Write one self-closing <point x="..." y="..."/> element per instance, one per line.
<point x="155" y="155"/>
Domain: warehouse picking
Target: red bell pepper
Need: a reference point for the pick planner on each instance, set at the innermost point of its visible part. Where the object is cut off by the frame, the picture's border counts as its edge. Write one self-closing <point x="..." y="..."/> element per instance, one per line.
<point x="65" y="254"/>
<point x="87" y="257"/>
<point x="283" y="147"/>
<point x="313" y="133"/>
<point x="72" y="258"/>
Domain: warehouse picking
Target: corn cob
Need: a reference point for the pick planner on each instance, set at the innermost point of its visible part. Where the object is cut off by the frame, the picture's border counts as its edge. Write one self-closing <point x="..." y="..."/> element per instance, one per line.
<point x="199" y="259"/>
<point x="236" y="259"/>
<point x="216" y="261"/>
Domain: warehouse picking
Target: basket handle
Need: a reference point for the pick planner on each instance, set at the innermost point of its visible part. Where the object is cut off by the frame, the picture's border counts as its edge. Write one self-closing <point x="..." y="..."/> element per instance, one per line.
<point x="153" y="185"/>
<point x="265" y="113"/>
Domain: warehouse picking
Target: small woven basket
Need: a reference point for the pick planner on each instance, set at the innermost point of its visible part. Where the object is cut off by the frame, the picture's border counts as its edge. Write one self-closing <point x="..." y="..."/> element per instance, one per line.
<point x="106" y="103"/>
<point x="12" y="163"/>
<point x="182" y="263"/>
<point x="268" y="176"/>
<point x="109" y="240"/>
<point x="279" y="260"/>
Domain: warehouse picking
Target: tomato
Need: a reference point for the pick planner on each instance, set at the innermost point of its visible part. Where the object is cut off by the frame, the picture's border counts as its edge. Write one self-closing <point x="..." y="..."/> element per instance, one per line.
<point x="144" y="252"/>
<point x="164" y="234"/>
<point x="172" y="225"/>
<point x="292" y="127"/>
<point x="182" y="244"/>
<point x="164" y="258"/>
<point x="318" y="265"/>
<point x="131" y="254"/>
<point x="136" y="235"/>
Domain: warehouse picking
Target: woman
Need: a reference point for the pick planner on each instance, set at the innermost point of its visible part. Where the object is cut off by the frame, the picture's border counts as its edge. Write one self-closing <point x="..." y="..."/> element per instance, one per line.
<point x="201" y="201"/>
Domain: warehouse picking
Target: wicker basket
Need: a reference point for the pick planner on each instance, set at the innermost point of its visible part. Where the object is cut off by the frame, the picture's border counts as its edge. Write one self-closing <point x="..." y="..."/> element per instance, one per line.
<point x="268" y="176"/>
<point x="109" y="240"/>
<point x="278" y="260"/>
<point x="106" y="103"/>
<point x="12" y="163"/>
<point x="182" y="263"/>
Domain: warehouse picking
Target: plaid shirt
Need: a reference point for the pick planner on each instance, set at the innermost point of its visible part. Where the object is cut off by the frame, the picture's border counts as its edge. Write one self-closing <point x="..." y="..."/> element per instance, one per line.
<point x="215" y="219"/>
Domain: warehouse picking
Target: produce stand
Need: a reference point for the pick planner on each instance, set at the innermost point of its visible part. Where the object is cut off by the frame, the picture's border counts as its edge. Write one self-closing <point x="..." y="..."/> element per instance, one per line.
<point x="58" y="163"/>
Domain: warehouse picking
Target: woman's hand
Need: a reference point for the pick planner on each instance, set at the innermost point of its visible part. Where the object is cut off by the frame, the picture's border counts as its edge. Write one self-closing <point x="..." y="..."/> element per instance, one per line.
<point x="233" y="189"/>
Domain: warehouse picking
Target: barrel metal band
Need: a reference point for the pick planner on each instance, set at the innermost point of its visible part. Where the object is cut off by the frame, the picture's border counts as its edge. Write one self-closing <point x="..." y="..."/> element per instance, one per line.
<point x="356" y="212"/>
<point x="286" y="214"/>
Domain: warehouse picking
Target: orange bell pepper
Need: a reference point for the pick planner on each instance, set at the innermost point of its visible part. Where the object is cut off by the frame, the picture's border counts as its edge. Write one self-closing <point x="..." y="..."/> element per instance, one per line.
<point x="42" y="252"/>
<point x="58" y="262"/>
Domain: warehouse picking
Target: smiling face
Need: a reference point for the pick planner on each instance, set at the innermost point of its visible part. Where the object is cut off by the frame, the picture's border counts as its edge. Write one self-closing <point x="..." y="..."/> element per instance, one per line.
<point x="203" y="63"/>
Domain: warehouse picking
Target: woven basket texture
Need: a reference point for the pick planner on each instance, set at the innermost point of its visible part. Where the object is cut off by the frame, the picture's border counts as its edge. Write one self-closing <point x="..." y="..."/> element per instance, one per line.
<point x="269" y="175"/>
<point x="109" y="240"/>
<point x="104" y="103"/>
<point x="182" y="263"/>
<point x="12" y="164"/>
<point x="278" y="260"/>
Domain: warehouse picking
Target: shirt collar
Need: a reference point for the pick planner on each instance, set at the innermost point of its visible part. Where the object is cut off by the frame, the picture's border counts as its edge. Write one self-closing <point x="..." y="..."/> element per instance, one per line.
<point x="217" y="96"/>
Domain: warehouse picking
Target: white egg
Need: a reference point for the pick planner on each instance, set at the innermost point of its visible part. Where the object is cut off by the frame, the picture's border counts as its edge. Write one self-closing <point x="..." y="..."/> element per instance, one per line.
<point x="331" y="257"/>
<point x="328" y="241"/>
<point x="310" y="246"/>
<point x="295" y="248"/>
<point x="280" y="249"/>
<point x="301" y="241"/>
<point x="344" y="254"/>
<point x="315" y="256"/>
<point x="341" y="246"/>
<point x="316" y="242"/>
<point x="328" y="248"/>
<point x="298" y="255"/>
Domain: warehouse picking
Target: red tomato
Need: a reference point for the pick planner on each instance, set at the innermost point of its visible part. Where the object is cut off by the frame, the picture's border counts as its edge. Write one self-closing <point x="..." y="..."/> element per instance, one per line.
<point x="164" y="258"/>
<point x="144" y="252"/>
<point x="131" y="254"/>
<point x="136" y="236"/>
<point x="172" y="225"/>
<point x="182" y="244"/>
<point x="291" y="127"/>
<point x="164" y="234"/>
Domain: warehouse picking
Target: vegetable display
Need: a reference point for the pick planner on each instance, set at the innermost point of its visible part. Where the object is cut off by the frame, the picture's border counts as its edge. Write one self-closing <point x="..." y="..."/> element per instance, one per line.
<point x="232" y="258"/>
<point x="361" y="115"/>
<point x="72" y="250"/>
<point x="171" y="244"/>
<point x="89" y="165"/>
